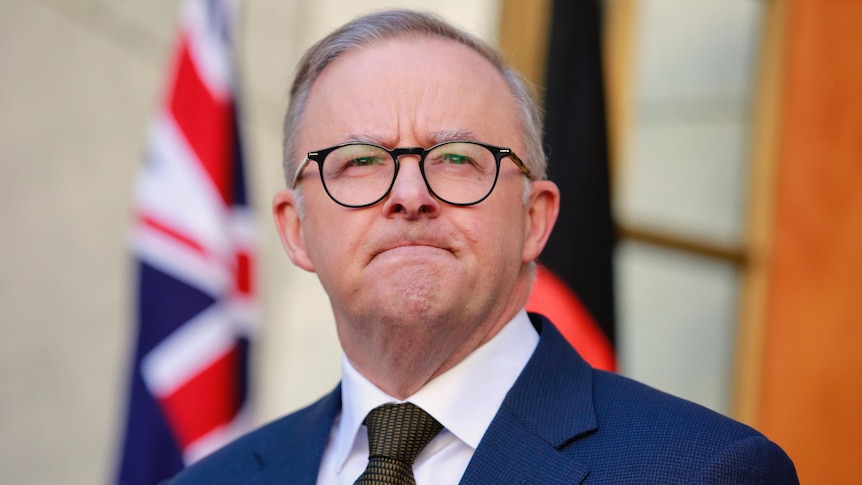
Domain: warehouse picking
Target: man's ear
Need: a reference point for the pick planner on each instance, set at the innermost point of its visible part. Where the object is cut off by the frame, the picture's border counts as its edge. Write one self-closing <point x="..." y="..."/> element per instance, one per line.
<point x="289" y="226"/>
<point x="542" y="210"/>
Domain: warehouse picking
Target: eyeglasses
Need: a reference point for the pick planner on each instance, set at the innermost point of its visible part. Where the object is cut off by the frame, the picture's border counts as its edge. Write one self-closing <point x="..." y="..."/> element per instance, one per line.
<point x="460" y="173"/>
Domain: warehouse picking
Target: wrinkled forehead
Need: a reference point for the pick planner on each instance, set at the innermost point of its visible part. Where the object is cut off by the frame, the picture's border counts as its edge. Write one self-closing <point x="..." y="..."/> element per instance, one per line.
<point x="405" y="87"/>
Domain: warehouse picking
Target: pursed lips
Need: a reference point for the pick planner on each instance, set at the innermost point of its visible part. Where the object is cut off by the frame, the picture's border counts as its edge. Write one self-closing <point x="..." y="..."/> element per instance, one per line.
<point x="415" y="248"/>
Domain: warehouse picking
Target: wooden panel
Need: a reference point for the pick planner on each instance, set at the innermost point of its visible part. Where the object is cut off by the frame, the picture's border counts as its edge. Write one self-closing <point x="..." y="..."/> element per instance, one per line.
<point x="754" y="280"/>
<point x="618" y="57"/>
<point x="811" y="399"/>
<point x="524" y="36"/>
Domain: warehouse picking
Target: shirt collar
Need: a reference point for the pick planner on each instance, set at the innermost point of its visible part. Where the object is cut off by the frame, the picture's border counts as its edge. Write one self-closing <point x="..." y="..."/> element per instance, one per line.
<point x="463" y="399"/>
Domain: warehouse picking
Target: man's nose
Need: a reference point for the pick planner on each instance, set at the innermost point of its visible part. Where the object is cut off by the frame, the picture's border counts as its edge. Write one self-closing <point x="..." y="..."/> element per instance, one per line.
<point x="410" y="196"/>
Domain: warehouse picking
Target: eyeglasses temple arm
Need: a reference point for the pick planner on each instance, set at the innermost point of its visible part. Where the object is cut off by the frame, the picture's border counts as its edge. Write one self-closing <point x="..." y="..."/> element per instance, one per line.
<point x="521" y="165"/>
<point x="299" y="170"/>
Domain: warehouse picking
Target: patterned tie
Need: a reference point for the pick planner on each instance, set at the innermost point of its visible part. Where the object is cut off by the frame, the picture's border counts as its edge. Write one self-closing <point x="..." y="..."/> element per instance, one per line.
<point x="397" y="433"/>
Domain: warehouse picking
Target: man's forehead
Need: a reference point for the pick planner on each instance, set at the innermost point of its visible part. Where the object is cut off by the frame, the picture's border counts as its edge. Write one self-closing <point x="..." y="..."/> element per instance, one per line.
<point x="409" y="89"/>
<point x="412" y="50"/>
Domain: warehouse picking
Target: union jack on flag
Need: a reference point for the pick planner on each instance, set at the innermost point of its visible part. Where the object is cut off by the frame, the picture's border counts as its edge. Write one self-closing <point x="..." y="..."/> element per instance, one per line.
<point x="192" y="239"/>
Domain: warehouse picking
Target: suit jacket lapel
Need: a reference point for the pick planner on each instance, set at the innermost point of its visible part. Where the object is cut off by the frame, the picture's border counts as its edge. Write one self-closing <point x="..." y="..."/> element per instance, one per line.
<point x="550" y="405"/>
<point x="296" y="459"/>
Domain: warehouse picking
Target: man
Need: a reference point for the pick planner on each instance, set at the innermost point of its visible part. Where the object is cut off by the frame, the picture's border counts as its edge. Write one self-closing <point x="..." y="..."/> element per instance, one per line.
<point x="417" y="194"/>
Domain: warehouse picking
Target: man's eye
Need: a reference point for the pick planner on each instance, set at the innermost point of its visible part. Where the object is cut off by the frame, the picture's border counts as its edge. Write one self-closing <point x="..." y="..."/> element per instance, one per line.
<point x="455" y="159"/>
<point x="364" y="161"/>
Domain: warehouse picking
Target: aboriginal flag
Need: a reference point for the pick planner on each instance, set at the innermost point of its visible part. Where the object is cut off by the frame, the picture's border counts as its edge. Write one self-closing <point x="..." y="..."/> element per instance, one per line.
<point x="580" y="249"/>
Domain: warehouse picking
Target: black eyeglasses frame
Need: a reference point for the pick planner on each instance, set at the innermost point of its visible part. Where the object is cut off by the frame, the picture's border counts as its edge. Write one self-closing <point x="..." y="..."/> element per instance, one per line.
<point x="499" y="153"/>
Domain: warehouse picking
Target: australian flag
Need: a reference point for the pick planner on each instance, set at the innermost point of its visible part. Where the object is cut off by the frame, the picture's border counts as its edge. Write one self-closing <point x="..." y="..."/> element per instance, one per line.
<point x="193" y="242"/>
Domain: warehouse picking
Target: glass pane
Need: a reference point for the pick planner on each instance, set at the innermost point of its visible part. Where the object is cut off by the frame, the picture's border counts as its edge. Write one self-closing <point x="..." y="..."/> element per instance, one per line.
<point x="694" y="67"/>
<point x="685" y="174"/>
<point x="677" y="315"/>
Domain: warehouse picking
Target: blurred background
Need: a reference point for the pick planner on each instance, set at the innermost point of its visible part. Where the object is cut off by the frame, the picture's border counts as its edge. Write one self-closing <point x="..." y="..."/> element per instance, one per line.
<point x="735" y="158"/>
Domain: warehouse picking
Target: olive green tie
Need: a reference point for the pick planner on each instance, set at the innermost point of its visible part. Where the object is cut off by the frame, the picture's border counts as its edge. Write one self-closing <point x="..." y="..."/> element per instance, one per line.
<point x="397" y="433"/>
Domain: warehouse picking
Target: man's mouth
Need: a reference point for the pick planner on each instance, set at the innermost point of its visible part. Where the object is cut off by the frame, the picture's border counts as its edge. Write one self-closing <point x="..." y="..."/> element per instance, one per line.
<point x="410" y="249"/>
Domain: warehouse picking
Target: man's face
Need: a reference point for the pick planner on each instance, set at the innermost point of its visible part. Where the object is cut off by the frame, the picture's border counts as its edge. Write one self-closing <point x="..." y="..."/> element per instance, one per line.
<point x="411" y="260"/>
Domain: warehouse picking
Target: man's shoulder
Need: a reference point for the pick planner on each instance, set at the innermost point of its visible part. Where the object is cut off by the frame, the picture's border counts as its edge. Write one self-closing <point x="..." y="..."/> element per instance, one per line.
<point x="662" y="431"/>
<point x="616" y="400"/>
<point x="295" y="434"/>
<point x="626" y="431"/>
<point x="621" y="401"/>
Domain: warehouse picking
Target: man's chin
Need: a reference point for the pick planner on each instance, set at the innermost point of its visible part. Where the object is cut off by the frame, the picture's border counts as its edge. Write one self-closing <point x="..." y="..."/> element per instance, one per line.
<point x="406" y="298"/>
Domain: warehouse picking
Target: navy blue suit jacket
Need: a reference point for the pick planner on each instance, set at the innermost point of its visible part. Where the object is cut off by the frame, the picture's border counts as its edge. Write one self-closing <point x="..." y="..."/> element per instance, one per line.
<point x="561" y="423"/>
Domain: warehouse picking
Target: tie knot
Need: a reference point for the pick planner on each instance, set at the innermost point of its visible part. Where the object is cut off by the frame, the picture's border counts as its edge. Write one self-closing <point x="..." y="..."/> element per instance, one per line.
<point x="400" y="431"/>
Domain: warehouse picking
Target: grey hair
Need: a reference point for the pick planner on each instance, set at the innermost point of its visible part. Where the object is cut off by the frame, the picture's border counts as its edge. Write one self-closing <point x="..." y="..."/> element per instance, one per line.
<point x="394" y="23"/>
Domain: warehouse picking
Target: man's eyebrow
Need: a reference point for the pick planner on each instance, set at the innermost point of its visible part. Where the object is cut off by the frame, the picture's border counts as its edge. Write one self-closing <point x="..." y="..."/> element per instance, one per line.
<point x="449" y="135"/>
<point x="365" y="138"/>
<point x="432" y="138"/>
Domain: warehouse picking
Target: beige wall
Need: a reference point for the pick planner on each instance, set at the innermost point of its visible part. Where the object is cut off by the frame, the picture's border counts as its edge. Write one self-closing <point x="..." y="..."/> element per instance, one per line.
<point x="79" y="81"/>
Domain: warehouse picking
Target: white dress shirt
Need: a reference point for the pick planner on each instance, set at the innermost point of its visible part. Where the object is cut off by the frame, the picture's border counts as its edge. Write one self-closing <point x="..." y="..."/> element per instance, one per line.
<point x="464" y="400"/>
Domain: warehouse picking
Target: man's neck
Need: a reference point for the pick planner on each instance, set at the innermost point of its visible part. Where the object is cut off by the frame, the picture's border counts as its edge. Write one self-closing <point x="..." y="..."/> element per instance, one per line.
<point x="410" y="357"/>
